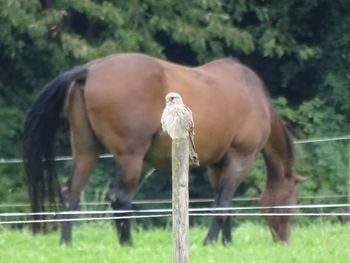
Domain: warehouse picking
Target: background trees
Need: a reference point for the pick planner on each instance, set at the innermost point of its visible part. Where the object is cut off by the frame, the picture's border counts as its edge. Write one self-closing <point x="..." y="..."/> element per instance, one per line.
<point x="301" y="49"/>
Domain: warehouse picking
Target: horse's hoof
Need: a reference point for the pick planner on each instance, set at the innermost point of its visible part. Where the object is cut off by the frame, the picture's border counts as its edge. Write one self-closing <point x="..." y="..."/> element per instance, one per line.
<point x="226" y="242"/>
<point x="208" y="241"/>
<point x="66" y="243"/>
<point x="126" y="243"/>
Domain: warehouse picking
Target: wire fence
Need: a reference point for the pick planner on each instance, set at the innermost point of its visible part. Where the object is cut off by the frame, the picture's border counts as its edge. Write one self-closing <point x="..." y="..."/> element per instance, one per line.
<point x="166" y="210"/>
<point x="156" y="213"/>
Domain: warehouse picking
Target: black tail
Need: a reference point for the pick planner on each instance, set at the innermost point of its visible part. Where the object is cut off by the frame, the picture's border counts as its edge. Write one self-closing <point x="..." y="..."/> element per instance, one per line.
<point x="38" y="141"/>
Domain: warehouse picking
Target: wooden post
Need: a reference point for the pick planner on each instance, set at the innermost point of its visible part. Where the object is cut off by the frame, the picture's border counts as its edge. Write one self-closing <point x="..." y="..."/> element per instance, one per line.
<point x="180" y="164"/>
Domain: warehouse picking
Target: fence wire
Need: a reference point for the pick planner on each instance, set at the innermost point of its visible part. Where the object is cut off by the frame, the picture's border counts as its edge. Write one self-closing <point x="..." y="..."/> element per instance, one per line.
<point x="104" y="156"/>
<point x="168" y="212"/>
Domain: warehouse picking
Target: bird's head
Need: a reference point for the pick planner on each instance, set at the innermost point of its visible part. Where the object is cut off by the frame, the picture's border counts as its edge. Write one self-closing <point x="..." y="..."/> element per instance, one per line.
<point x="173" y="98"/>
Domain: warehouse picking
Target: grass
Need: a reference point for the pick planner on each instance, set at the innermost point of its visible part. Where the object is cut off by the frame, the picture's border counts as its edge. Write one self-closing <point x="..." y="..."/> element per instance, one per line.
<point x="96" y="243"/>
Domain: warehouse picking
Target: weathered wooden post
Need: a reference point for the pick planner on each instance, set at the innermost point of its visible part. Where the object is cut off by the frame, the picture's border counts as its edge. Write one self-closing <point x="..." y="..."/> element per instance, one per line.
<point x="177" y="122"/>
<point x="180" y="152"/>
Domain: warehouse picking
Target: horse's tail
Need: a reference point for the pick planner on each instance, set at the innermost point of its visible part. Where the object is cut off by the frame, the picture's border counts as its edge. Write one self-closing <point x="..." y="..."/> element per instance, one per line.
<point x="39" y="133"/>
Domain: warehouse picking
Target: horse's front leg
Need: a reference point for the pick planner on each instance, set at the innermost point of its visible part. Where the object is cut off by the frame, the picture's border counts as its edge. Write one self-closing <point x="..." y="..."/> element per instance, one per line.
<point x="121" y="193"/>
<point x="225" y="177"/>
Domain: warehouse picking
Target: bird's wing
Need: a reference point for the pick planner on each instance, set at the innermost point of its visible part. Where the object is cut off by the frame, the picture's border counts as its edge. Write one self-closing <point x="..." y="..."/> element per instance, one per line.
<point x="190" y="126"/>
<point x="189" y="121"/>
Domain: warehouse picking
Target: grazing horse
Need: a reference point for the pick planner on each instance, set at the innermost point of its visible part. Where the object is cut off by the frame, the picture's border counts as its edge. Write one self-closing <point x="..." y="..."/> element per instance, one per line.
<point x="117" y="102"/>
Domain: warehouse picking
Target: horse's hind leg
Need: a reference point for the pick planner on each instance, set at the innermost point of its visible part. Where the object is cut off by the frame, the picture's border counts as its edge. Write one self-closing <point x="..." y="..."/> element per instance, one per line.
<point x="225" y="177"/>
<point x="128" y="174"/>
<point x="83" y="145"/>
<point x="71" y="192"/>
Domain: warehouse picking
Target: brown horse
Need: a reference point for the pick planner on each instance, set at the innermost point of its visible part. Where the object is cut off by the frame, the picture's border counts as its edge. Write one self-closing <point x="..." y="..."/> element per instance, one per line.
<point x="117" y="101"/>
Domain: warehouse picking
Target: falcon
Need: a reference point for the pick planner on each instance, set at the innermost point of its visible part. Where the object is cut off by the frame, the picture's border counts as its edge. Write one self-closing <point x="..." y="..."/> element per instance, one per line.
<point x="178" y="123"/>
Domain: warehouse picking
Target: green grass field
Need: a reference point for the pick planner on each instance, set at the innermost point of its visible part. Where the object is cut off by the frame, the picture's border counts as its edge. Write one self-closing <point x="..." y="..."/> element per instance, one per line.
<point x="96" y="243"/>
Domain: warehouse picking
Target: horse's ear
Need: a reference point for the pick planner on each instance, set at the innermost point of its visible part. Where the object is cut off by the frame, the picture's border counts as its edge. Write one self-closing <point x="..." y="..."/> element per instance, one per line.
<point x="299" y="179"/>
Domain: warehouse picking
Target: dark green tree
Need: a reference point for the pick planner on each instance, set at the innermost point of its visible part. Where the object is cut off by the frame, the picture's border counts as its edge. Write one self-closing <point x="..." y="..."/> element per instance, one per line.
<point x="299" y="48"/>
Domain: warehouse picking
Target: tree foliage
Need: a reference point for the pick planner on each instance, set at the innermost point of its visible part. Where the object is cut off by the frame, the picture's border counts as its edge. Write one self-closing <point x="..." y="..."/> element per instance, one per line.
<point x="299" y="48"/>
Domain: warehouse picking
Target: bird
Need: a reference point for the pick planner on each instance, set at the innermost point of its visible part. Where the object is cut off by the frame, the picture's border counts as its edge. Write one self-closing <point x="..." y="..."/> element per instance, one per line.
<point x="177" y="121"/>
